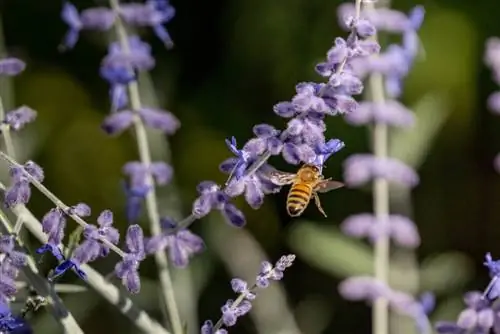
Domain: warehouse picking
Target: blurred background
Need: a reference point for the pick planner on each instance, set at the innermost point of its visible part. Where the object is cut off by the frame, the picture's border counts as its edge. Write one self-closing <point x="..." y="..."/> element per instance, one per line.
<point x="233" y="60"/>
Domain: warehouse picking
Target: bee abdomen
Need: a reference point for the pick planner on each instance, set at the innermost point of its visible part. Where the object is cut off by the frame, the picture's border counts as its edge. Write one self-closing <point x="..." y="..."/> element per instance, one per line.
<point x="298" y="198"/>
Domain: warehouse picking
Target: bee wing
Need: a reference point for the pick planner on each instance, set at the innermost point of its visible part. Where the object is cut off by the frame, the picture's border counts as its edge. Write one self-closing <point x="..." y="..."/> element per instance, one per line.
<point x="327" y="185"/>
<point x="280" y="178"/>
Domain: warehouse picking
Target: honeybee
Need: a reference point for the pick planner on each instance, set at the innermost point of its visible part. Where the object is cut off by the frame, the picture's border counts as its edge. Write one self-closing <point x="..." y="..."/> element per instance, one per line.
<point x="306" y="183"/>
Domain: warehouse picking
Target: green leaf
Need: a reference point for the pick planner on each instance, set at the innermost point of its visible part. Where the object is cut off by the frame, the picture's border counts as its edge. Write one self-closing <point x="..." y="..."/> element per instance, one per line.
<point x="431" y="113"/>
<point x="330" y="250"/>
<point x="445" y="272"/>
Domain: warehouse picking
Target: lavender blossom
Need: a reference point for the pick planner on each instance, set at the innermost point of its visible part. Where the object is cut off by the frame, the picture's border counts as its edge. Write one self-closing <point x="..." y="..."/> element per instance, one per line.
<point x="20" y="190"/>
<point x="137" y="188"/>
<point x="11" y="66"/>
<point x="480" y="316"/>
<point x="212" y="197"/>
<point x="233" y="309"/>
<point x="127" y="268"/>
<point x="10" y="323"/>
<point x="181" y="246"/>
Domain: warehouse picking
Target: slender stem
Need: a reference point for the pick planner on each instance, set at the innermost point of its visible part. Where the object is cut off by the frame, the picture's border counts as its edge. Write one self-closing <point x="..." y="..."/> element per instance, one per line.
<point x="151" y="200"/>
<point x="380" y="207"/>
<point x="60" y="204"/>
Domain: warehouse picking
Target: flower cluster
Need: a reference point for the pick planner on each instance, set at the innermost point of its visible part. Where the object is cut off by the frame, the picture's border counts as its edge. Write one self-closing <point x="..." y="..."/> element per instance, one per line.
<point x="482" y="312"/>
<point x="152" y="13"/>
<point x="303" y="139"/>
<point x="369" y="289"/>
<point x="232" y="310"/>
<point x="391" y="66"/>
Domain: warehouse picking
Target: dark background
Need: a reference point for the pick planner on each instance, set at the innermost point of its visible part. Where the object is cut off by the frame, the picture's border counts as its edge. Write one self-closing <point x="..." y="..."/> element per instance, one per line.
<point x="233" y="60"/>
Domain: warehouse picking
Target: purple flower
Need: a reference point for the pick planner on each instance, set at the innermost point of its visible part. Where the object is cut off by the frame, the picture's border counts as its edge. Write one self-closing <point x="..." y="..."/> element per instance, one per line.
<point x="11" y="324"/>
<point x="212" y="197"/>
<point x="138" y="57"/>
<point x="13" y="259"/>
<point x="232" y="310"/>
<point x="11" y="66"/>
<point x="181" y="245"/>
<point x="478" y="317"/>
<point x="137" y="188"/>
<point x="208" y="328"/>
<point x="117" y="122"/>
<point x="401" y="229"/>
<point x="20" y="191"/>
<point x="94" y="235"/>
<point x="361" y="168"/>
<point x="160" y="120"/>
<point x="99" y="18"/>
<point x="127" y="268"/>
<point x="153" y="13"/>
<point x="391" y="113"/>
<point x="54" y="224"/>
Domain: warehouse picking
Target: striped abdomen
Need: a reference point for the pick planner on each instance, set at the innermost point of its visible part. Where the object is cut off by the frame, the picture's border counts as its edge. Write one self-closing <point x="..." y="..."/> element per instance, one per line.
<point x="298" y="198"/>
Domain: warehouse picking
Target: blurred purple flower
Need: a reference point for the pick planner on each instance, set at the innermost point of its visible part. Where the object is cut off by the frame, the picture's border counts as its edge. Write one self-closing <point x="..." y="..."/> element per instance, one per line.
<point x="99" y="18"/>
<point x="152" y="13"/>
<point x="361" y="168"/>
<point x="11" y="66"/>
<point x="181" y="245"/>
<point x="401" y="229"/>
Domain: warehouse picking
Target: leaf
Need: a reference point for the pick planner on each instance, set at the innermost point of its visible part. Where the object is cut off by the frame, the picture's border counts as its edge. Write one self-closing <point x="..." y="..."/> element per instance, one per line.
<point x="445" y="272"/>
<point x="330" y="250"/>
<point x="431" y="112"/>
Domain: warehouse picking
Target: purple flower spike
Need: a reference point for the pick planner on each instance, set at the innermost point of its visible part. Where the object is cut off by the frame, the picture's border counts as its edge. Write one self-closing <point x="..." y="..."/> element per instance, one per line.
<point x="11" y="66"/>
<point x="127" y="269"/>
<point x="232" y="310"/>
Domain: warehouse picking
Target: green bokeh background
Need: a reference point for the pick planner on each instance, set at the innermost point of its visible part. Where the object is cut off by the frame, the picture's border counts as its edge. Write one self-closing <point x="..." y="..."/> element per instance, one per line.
<point x="232" y="62"/>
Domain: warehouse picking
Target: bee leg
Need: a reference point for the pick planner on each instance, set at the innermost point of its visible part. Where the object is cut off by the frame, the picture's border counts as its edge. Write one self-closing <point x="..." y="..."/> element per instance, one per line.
<point x="318" y="204"/>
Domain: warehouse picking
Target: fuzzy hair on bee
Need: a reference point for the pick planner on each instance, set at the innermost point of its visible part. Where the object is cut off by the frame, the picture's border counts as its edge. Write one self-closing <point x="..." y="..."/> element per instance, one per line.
<point x="306" y="183"/>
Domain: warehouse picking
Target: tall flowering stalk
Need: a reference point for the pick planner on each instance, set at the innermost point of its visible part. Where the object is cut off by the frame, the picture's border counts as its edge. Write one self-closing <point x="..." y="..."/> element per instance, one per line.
<point x="125" y="58"/>
<point x="482" y="312"/>
<point x="384" y="73"/>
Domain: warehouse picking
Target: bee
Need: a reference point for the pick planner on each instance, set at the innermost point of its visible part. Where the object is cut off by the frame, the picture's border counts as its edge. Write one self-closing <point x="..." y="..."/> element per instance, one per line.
<point x="306" y="183"/>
